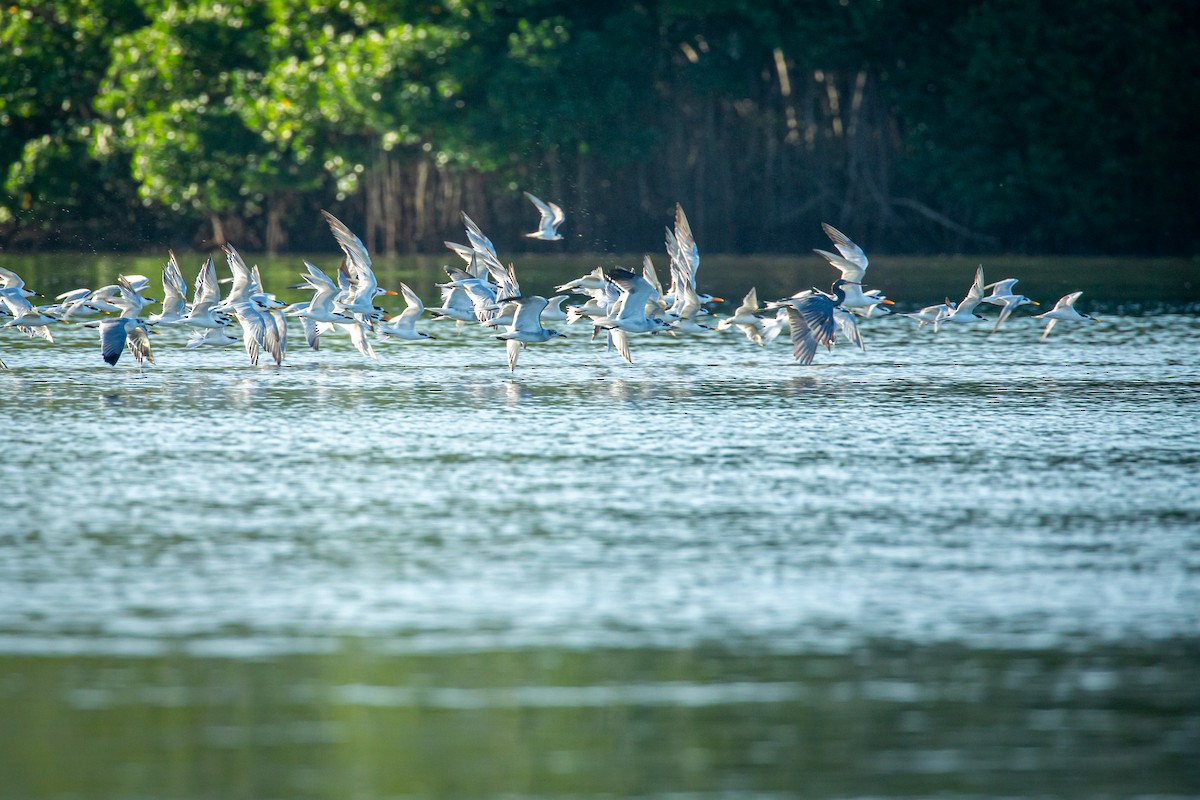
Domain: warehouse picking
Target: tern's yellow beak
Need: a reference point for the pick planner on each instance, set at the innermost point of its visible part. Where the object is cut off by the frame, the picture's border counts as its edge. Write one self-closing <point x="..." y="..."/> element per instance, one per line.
<point x="889" y="302"/>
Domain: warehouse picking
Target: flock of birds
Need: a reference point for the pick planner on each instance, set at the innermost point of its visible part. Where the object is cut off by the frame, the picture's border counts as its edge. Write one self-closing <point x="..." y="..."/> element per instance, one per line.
<point x="617" y="303"/>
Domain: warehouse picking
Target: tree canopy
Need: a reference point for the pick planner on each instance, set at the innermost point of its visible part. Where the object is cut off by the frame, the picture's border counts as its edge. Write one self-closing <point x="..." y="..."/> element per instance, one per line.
<point x="1022" y="125"/>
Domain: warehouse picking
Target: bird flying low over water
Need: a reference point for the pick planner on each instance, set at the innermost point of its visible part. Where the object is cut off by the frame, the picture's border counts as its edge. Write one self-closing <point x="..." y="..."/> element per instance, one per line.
<point x="552" y="217"/>
<point x="745" y="318"/>
<point x="526" y="328"/>
<point x="1063" y="311"/>
<point x="851" y="261"/>
<point x="1003" y="295"/>
<point x="619" y="304"/>
<point x="814" y="320"/>
<point x="403" y="326"/>
<point x="127" y="329"/>
<point x="629" y="313"/>
<point x="964" y="312"/>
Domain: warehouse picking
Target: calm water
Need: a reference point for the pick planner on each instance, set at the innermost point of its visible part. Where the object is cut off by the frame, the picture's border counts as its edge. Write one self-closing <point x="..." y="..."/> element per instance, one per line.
<point x="963" y="565"/>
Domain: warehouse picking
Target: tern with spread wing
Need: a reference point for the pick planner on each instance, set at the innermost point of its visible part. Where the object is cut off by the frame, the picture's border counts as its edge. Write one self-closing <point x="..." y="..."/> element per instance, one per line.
<point x="552" y="217"/>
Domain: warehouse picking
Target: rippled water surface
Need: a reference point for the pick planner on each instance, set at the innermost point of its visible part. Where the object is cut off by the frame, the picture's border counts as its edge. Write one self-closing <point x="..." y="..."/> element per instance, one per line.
<point x="962" y="564"/>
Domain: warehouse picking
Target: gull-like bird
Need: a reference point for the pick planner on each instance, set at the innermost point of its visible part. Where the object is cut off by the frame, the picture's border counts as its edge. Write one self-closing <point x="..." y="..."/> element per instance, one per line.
<point x="364" y="287"/>
<point x="403" y="326"/>
<point x="1064" y="311"/>
<point x="852" y="262"/>
<point x="456" y="305"/>
<point x="964" y="312"/>
<point x="12" y="281"/>
<point x="931" y="315"/>
<point x="319" y="314"/>
<point x="210" y="337"/>
<point x="1003" y="295"/>
<point x="27" y="318"/>
<point x="629" y="313"/>
<point x="552" y="217"/>
<point x="745" y="318"/>
<point x="593" y="280"/>
<point x="526" y="328"/>
<point x="262" y="329"/>
<point x="206" y="298"/>
<point x="174" y="295"/>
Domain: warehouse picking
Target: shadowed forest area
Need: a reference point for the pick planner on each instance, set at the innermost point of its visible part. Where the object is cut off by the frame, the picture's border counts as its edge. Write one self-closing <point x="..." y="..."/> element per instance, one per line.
<point x="1048" y="126"/>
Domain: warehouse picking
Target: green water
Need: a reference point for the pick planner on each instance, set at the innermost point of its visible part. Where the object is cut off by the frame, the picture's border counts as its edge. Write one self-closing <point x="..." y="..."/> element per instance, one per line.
<point x="963" y="565"/>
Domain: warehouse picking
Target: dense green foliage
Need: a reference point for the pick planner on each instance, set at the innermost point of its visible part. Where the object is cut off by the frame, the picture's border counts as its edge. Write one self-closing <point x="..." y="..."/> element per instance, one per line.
<point x="1022" y="125"/>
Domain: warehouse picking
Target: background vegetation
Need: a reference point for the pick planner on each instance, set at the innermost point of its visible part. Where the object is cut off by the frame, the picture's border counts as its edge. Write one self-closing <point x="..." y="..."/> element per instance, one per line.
<point x="1055" y="126"/>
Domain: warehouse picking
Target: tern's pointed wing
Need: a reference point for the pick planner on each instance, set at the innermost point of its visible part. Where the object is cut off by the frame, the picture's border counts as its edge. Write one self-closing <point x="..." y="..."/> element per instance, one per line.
<point x="1068" y="301"/>
<point x="514" y="352"/>
<point x="254" y="330"/>
<point x="352" y="246"/>
<point x="312" y="334"/>
<point x="651" y="275"/>
<point x="749" y="303"/>
<point x="849" y="250"/>
<point x="358" y="336"/>
<point x="174" y="287"/>
<point x="207" y="290"/>
<point x="1006" y="310"/>
<point x="1002" y="288"/>
<point x="529" y="313"/>
<point x="688" y="250"/>
<point x="543" y="209"/>
<point x="73" y="295"/>
<point x="275" y="334"/>
<point x="620" y="341"/>
<point x="1049" y="327"/>
<point x="241" y="276"/>
<point x="464" y="252"/>
<point x="851" y="272"/>
<point x="413" y="307"/>
<point x="974" y="294"/>
<point x="480" y="243"/>
<point x="11" y="280"/>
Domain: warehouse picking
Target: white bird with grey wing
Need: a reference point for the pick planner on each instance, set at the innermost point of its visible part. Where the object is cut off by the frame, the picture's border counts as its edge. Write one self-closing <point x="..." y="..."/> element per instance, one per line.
<point x="1009" y="301"/>
<point x="745" y="318"/>
<point x="629" y="313"/>
<point x="403" y="326"/>
<point x="364" y="287"/>
<point x="526" y="328"/>
<point x="551" y="217"/>
<point x="25" y="316"/>
<point x="1063" y="311"/>
<point x="174" y="295"/>
<point x="851" y="262"/>
<point x="206" y="299"/>
<point x="964" y="312"/>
